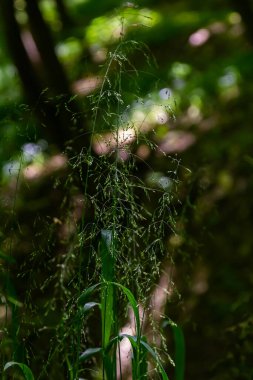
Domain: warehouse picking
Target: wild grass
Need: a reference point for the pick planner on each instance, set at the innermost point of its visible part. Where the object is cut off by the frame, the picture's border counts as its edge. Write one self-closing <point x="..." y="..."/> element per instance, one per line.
<point x="115" y="251"/>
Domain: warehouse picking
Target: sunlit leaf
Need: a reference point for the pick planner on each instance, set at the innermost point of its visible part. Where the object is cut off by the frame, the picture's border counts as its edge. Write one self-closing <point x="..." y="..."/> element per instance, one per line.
<point x="89" y="305"/>
<point x="89" y="352"/>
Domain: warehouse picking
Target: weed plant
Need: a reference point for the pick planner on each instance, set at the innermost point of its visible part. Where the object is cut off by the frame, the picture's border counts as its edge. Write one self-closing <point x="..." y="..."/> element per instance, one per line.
<point x="114" y="252"/>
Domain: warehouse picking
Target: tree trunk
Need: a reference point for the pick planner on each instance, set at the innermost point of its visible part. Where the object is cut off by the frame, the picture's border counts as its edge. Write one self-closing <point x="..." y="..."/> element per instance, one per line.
<point x="44" y="110"/>
<point x="68" y="112"/>
<point x="55" y="112"/>
<point x="57" y="81"/>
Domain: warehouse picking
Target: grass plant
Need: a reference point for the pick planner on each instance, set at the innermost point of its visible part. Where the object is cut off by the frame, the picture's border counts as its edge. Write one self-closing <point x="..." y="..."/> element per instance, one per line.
<point x="113" y="259"/>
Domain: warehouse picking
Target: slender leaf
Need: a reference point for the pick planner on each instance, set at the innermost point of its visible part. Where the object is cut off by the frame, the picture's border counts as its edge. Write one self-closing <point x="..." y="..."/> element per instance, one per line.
<point x="134" y="305"/>
<point x="108" y="315"/>
<point x="89" y="352"/>
<point x="143" y="365"/>
<point x="107" y="255"/>
<point x="135" y="355"/>
<point x="112" y="342"/>
<point x="142" y="370"/>
<point x="14" y="301"/>
<point x="86" y="293"/>
<point x="108" y="300"/>
<point x="179" y="348"/>
<point x="179" y="351"/>
<point x="107" y="304"/>
<point x="89" y="305"/>
<point x="24" y="368"/>
<point x="156" y="358"/>
<point x="131" y="338"/>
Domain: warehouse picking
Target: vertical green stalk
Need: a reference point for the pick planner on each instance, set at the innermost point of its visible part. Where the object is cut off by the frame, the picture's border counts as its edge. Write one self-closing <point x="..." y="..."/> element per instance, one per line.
<point x="179" y="352"/>
<point x="108" y="302"/>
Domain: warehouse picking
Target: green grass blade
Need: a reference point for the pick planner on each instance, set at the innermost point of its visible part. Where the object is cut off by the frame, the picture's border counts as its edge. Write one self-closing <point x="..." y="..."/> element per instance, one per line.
<point x="88" y="306"/>
<point x="133" y="304"/>
<point x="24" y="368"/>
<point x="136" y="351"/>
<point x="131" y="338"/>
<point x="86" y="294"/>
<point x="139" y="367"/>
<point x="108" y="315"/>
<point x="179" y="348"/>
<point x="107" y="255"/>
<point x="113" y="342"/>
<point x="156" y="358"/>
<point x="179" y="351"/>
<point x="109" y="318"/>
<point x="107" y="271"/>
<point x="89" y="352"/>
<point x="143" y="371"/>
